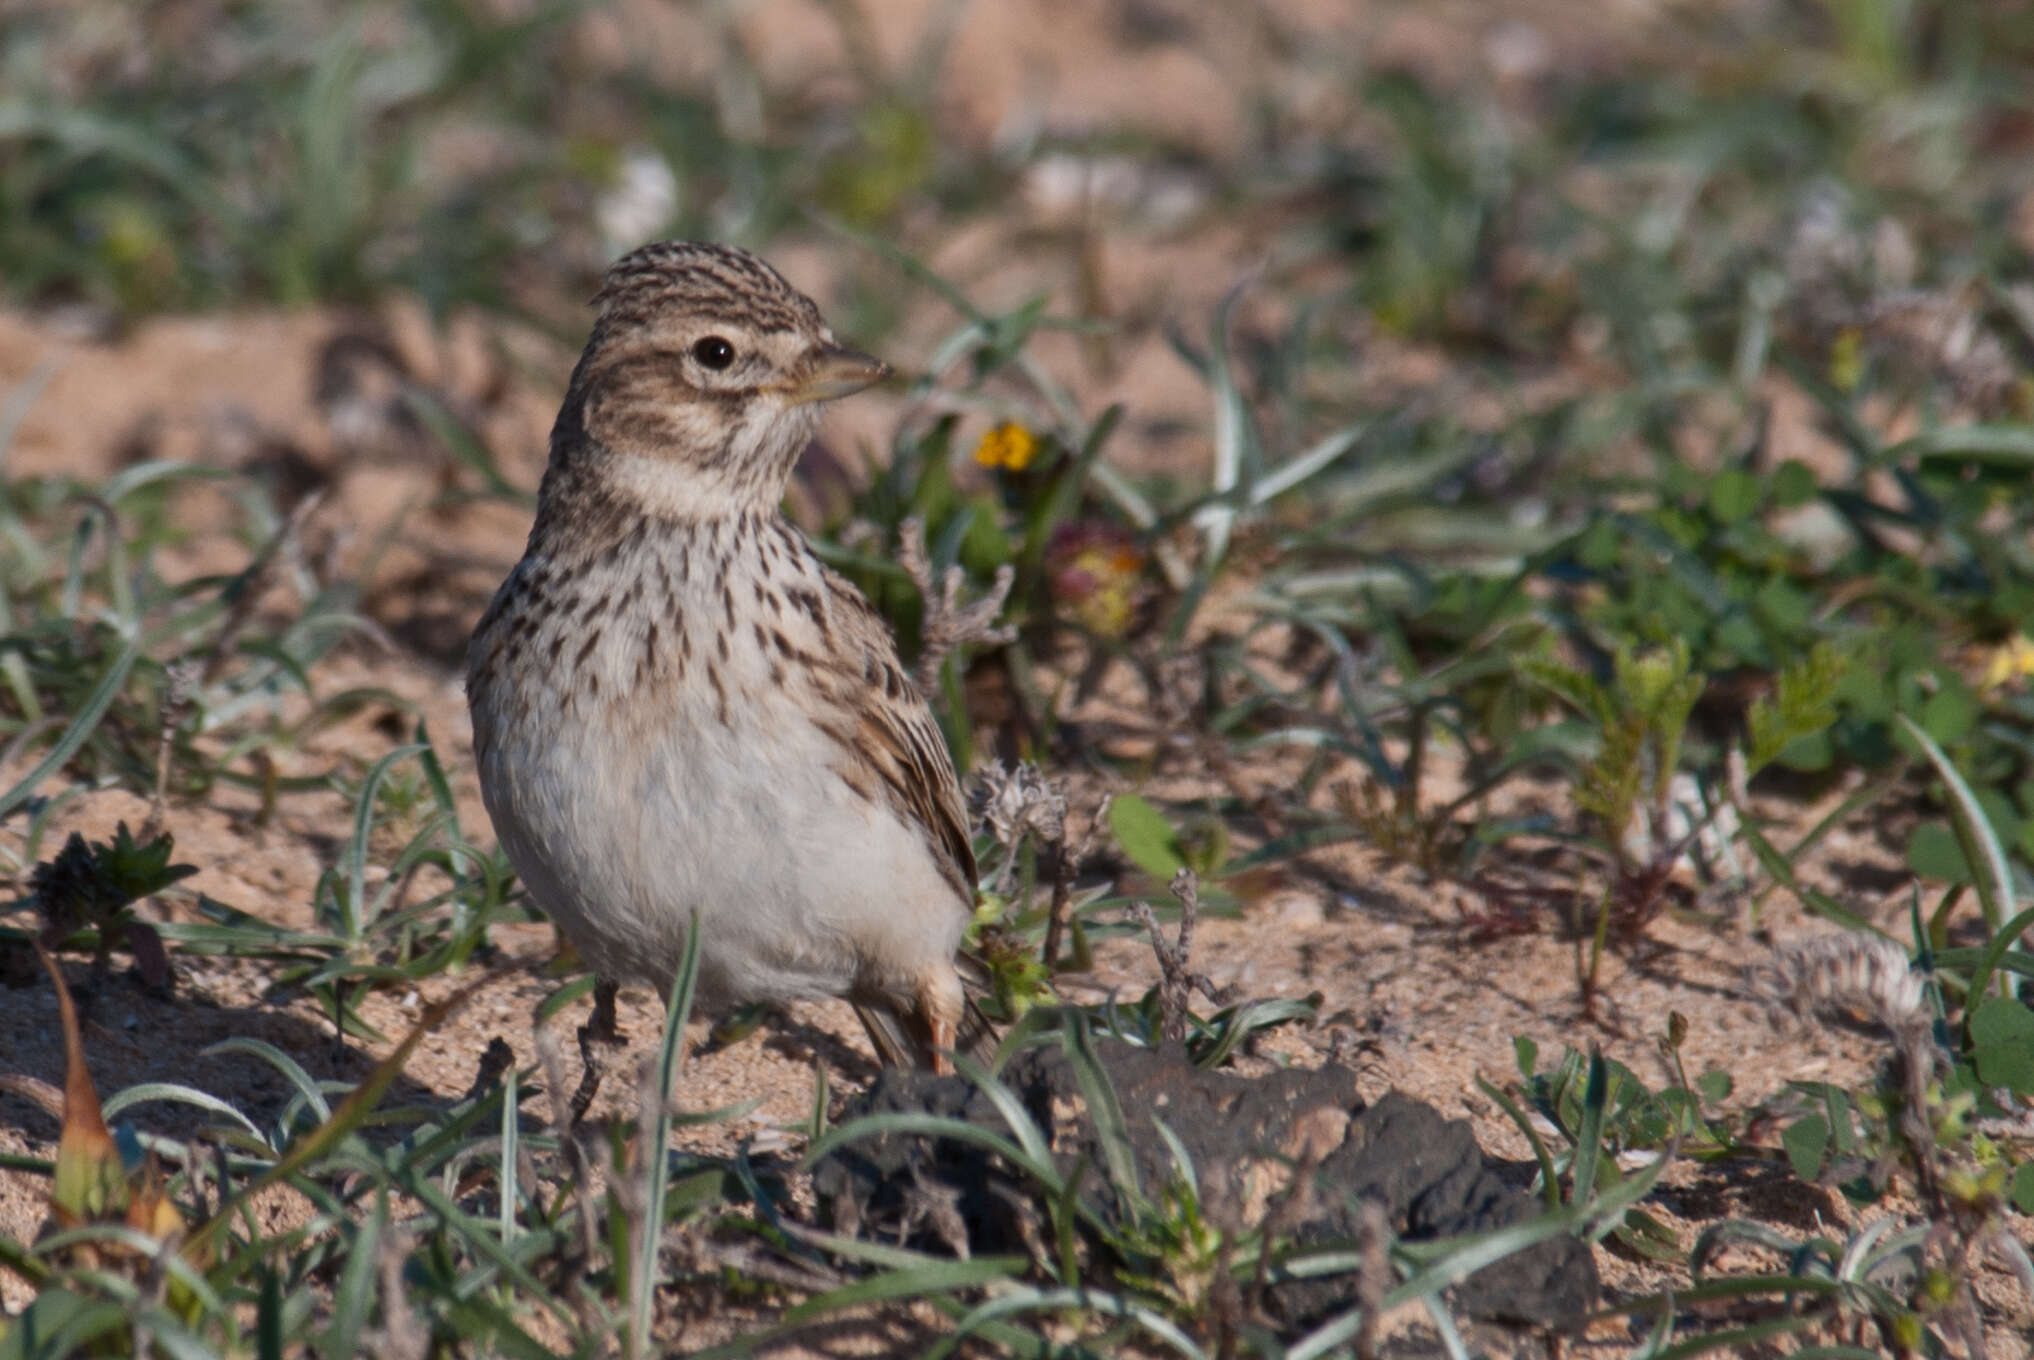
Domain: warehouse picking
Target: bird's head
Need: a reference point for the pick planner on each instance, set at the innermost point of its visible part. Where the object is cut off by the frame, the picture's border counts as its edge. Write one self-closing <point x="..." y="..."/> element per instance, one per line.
<point x="701" y="384"/>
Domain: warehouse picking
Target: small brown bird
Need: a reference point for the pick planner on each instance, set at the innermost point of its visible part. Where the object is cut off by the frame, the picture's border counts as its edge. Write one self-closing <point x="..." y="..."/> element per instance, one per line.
<point x="678" y="708"/>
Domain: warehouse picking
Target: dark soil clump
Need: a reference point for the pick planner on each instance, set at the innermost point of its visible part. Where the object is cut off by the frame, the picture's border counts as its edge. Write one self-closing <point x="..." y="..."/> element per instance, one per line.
<point x="1247" y="1138"/>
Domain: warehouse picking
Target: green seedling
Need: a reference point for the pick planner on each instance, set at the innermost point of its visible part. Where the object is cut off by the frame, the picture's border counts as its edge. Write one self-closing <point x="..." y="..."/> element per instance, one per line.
<point x="89" y="892"/>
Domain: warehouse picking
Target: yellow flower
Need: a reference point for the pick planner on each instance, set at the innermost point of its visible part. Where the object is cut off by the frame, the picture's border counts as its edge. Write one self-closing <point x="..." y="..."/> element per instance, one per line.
<point x="2011" y="660"/>
<point x="1008" y="445"/>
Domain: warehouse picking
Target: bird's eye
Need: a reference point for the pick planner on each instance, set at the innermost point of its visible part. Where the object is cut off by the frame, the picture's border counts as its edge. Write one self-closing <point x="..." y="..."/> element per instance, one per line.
<point x="713" y="352"/>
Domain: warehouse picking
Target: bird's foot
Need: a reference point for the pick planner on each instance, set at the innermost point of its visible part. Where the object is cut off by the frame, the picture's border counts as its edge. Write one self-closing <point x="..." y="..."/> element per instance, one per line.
<point x="600" y="1031"/>
<point x="942" y="1048"/>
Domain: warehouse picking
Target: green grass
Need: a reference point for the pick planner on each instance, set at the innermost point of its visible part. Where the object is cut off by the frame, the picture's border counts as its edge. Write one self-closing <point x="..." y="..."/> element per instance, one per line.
<point x="1630" y="587"/>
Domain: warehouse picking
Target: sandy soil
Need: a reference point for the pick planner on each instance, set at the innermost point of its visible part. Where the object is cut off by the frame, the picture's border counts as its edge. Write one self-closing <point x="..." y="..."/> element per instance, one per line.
<point x="1407" y="978"/>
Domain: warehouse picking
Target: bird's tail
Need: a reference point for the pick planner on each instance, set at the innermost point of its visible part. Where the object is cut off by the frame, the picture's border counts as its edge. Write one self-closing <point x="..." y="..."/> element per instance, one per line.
<point x="977" y="1036"/>
<point x="894" y="1047"/>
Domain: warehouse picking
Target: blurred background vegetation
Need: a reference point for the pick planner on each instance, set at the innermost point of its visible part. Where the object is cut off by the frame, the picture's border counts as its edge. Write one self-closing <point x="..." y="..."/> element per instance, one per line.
<point x="1472" y="172"/>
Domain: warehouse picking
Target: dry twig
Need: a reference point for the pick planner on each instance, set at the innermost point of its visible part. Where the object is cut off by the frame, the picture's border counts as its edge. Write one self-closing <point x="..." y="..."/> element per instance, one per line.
<point x="1066" y="864"/>
<point x="1177" y="980"/>
<point x="949" y="623"/>
<point x="1863" y="972"/>
<point x="401" y="1336"/>
<point x="244" y="593"/>
<point x="1374" y="1277"/>
<point x="743" y="1259"/>
<point x="1284" y="1218"/>
<point x="552" y="1060"/>
<point x="495" y="1059"/>
<point x="180" y="680"/>
<point x="1011" y="803"/>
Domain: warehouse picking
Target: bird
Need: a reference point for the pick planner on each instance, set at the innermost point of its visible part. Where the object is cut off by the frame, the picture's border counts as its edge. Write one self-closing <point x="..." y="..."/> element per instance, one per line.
<point x="681" y="713"/>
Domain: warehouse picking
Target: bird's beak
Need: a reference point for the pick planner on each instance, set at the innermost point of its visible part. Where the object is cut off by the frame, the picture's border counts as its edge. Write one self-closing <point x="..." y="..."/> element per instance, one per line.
<point x="835" y="373"/>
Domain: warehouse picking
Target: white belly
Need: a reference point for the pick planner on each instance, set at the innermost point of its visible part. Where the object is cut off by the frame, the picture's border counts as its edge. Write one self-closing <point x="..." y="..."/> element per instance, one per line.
<point x="626" y="818"/>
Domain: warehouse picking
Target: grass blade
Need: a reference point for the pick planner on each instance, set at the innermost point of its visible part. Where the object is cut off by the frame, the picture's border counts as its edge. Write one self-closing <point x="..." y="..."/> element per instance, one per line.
<point x="355" y="1295"/>
<point x="1981" y="848"/>
<point x="655" y="1151"/>
<point x="81" y="728"/>
<point x="351" y="1114"/>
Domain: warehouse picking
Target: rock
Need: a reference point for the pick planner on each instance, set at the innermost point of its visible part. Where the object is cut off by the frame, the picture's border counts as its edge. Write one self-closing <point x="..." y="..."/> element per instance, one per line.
<point x="1430" y="1177"/>
<point x="1245" y="1137"/>
<point x="880" y="1186"/>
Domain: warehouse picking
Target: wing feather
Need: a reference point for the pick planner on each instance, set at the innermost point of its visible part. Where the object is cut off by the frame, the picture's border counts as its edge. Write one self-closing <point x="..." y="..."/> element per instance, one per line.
<point x="895" y="737"/>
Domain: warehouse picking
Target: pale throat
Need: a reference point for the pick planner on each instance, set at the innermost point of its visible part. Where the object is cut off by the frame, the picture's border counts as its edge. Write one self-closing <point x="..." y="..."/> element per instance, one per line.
<point x="751" y="476"/>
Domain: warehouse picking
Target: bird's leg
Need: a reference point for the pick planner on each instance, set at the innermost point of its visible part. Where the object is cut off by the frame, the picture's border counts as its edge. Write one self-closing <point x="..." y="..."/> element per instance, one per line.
<point x="602" y="1029"/>
<point x="602" y="1022"/>
<point x="940" y="1002"/>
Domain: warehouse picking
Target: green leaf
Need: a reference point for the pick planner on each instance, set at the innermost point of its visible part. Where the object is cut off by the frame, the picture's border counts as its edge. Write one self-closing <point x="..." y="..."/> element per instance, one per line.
<point x="1806" y="1140"/>
<point x="1793" y="484"/>
<point x="1932" y="852"/>
<point x="58" y="1322"/>
<point x="2001" y="815"/>
<point x="1550" y="1181"/>
<point x="1803" y="705"/>
<point x="88" y="716"/>
<point x="1596" y="1100"/>
<point x="1579" y="690"/>
<point x="1999" y="1020"/>
<point x="1949" y="714"/>
<point x="1598" y="546"/>
<point x="2023" y="1188"/>
<point x="1714" y="1085"/>
<point x="1528" y="1054"/>
<point x="1821" y="903"/>
<point x="1781" y="603"/>
<point x="2002" y="1038"/>
<point x="2004" y="446"/>
<point x="1994" y="954"/>
<point x="1146" y="837"/>
<point x="987" y="545"/>
<point x="2008" y="1065"/>
<point x="1733" y="495"/>
<point x="354" y="1297"/>
<point x="1809" y="755"/>
<point x="1609" y="788"/>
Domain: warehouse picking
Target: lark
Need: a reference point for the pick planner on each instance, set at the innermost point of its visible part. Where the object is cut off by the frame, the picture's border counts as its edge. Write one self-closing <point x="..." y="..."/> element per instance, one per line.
<point x="680" y="712"/>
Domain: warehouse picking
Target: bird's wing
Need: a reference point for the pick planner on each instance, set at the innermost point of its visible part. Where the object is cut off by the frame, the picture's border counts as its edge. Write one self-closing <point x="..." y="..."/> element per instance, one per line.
<point x="894" y="740"/>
